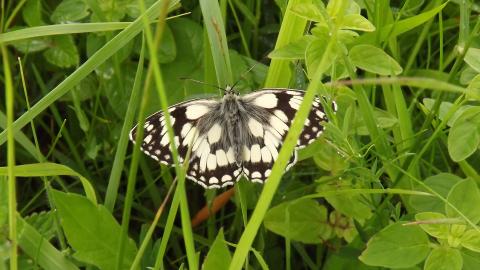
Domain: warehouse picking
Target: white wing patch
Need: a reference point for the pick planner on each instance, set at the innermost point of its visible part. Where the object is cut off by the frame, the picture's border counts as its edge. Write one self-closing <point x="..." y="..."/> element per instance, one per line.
<point x="267" y="100"/>
<point x="196" y="111"/>
<point x="214" y="133"/>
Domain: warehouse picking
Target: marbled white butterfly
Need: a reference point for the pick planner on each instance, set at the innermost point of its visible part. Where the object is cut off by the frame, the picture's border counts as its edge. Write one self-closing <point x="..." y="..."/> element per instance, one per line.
<point x="231" y="137"/>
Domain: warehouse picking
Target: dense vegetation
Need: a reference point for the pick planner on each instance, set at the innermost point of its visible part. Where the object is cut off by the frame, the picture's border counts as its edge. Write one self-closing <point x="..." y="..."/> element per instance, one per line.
<point x="392" y="183"/>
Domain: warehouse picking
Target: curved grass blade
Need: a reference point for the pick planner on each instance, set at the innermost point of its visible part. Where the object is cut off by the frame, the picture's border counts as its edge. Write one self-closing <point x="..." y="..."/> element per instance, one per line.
<point x="51" y="169"/>
<point x="81" y="72"/>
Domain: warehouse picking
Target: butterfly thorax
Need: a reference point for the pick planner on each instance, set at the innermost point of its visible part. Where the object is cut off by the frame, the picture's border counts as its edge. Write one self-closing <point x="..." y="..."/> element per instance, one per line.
<point x="231" y="110"/>
<point x="232" y="113"/>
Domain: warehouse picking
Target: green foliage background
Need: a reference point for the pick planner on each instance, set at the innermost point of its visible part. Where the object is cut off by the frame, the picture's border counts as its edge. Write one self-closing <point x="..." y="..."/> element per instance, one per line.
<point x="393" y="182"/>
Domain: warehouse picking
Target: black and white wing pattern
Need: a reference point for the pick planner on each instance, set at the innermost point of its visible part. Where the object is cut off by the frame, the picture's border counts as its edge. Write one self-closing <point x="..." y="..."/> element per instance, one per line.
<point x="183" y="118"/>
<point x="231" y="137"/>
<point x="282" y="105"/>
<point x="210" y="165"/>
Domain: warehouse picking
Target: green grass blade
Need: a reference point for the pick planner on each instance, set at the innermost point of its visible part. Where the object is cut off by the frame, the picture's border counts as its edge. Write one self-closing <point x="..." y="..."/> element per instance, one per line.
<point x="117" y="167"/>
<point x="218" y="41"/>
<point x="180" y="170"/>
<point x="23" y="140"/>
<point x="51" y="169"/>
<point x="292" y="28"/>
<point x="154" y="67"/>
<point x="167" y="231"/>
<point x="60" y="29"/>
<point x="12" y="197"/>
<point x="81" y="72"/>
<point x="40" y="250"/>
<point x="279" y="166"/>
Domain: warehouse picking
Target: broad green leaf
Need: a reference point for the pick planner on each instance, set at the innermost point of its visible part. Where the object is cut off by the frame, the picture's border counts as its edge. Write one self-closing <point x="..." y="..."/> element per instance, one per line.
<point x="118" y="92"/>
<point x="85" y="90"/>
<point x="91" y="231"/>
<point x="110" y="10"/>
<point x="321" y="32"/>
<point x="444" y="108"/>
<point x="345" y="259"/>
<point x="39" y="248"/>
<point x="32" y="45"/>
<point x="32" y="13"/>
<point x="308" y="11"/>
<point x="293" y="51"/>
<point x="337" y="8"/>
<point x="396" y="246"/>
<point x="347" y="36"/>
<point x="467" y="75"/>
<point x="325" y="156"/>
<point x="63" y="52"/>
<point x="353" y="205"/>
<point x="315" y="51"/>
<point x="96" y="42"/>
<point x="435" y="224"/>
<point x="455" y="234"/>
<point x="70" y="11"/>
<point x="474" y="87"/>
<point x="301" y="220"/>
<point x="444" y="258"/>
<point x="384" y="120"/>
<point x="375" y="60"/>
<point x="472" y="57"/>
<point x="465" y="197"/>
<point x="218" y="256"/>
<point x="43" y="222"/>
<point x="442" y="184"/>
<point x="167" y="50"/>
<point x="353" y="8"/>
<point x="357" y="22"/>
<point x="471" y="240"/>
<point x="133" y="8"/>
<point x="464" y="136"/>
<point x="471" y="260"/>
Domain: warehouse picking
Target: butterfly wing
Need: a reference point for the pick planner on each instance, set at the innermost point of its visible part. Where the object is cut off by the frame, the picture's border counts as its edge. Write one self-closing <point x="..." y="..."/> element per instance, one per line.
<point x="183" y="118"/>
<point x="281" y="105"/>
<point x="209" y="166"/>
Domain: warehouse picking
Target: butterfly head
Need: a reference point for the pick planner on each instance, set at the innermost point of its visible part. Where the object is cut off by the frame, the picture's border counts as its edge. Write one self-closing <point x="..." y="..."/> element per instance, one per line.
<point x="230" y="91"/>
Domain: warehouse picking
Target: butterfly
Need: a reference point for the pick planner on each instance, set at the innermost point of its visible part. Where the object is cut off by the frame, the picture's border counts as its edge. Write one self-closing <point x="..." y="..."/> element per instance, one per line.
<point x="232" y="137"/>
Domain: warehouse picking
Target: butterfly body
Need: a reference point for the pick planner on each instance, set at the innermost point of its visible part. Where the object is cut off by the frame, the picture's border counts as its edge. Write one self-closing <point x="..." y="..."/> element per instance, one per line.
<point x="234" y="136"/>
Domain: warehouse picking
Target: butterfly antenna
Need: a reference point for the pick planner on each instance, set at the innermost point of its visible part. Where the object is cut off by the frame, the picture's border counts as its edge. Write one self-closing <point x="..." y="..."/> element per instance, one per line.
<point x="200" y="82"/>
<point x="242" y="77"/>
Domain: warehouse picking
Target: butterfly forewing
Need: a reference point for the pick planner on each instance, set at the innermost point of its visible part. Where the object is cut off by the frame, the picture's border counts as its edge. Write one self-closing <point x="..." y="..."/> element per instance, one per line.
<point x="183" y="118"/>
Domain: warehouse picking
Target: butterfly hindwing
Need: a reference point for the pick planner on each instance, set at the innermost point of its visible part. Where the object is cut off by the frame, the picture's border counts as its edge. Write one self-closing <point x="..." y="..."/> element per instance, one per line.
<point x="211" y="166"/>
<point x="282" y="105"/>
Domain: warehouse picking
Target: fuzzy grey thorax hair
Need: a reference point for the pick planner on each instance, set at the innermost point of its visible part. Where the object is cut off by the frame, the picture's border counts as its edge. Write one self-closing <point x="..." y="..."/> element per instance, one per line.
<point x="233" y="113"/>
